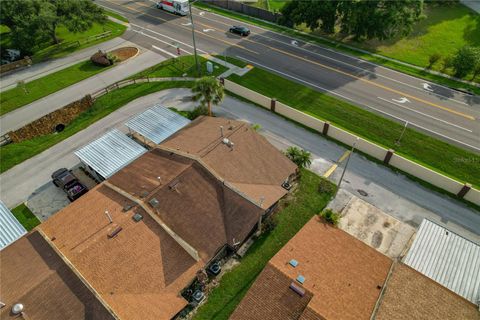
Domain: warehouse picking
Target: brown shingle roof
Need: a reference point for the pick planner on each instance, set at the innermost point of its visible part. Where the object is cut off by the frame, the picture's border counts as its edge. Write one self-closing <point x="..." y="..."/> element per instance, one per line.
<point x="34" y="275"/>
<point x="411" y="295"/>
<point x="253" y="165"/>
<point x="271" y="298"/>
<point x="140" y="272"/>
<point x="340" y="271"/>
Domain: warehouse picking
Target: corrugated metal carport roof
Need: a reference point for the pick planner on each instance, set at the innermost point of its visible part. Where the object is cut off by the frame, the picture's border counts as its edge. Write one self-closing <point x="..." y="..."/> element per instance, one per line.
<point x="157" y="123"/>
<point x="110" y="153"/>
<point x="447" y="258"/>
<point x="10" y="228"/>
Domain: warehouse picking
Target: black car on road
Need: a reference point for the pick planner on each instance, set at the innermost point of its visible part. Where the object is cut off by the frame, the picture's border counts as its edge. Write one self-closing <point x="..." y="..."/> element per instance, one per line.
<point x="66" y="180"/>
<point x="243" y="31"/>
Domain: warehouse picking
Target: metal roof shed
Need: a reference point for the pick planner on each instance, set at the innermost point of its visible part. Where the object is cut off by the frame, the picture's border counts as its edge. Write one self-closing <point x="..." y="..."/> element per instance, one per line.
<point x="110" y="153"/>
<point x="10" y="228"/>
<point x="157" y="123"/>
<point x="448" y="259"/>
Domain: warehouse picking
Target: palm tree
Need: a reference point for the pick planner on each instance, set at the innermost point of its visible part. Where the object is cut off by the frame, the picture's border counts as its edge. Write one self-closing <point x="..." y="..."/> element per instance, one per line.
<point x="208" y="90"/>
<point x="300" y="157"/>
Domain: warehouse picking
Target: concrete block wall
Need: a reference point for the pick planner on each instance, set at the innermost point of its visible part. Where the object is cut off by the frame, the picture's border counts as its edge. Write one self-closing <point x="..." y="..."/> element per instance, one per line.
<point x="387" y="156"/>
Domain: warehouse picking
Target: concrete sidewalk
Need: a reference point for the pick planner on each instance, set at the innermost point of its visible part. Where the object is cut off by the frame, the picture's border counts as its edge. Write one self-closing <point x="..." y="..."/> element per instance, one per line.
<point x="41" y="69"/>
<point x="26" y="114"/>
<point x="393" y="193"/>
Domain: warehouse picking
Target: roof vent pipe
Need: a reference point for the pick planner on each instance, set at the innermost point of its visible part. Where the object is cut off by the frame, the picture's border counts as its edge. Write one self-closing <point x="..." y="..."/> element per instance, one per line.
<point x="108" y="216"/>
<point x="221" y="131"/>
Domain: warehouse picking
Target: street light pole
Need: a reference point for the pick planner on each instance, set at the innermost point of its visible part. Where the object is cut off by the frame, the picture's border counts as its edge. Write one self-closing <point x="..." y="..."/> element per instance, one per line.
<point x="194" y="42"/>
<point x="346" y="165"/>
<point x="403" y="132"/>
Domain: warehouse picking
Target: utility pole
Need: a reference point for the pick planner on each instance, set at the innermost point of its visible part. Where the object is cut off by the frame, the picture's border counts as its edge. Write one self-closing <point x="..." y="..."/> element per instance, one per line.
<point x="346" y="165"/>
<point x="194" y="42"/>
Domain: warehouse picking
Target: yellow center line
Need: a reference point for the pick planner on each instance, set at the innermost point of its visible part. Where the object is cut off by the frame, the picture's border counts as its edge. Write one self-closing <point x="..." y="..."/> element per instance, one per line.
<point x="199" y="32"/>
<point x="334" y="167"/>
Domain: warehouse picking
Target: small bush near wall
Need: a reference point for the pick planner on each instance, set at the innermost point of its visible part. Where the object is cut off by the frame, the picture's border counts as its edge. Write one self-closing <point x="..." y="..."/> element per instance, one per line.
<point x="330" y="216"/>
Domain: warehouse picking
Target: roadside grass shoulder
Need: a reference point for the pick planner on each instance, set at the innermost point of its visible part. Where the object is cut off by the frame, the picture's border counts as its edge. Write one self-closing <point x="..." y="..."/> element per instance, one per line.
<point x="454" y="162"/>
<point x="15" y="153"/>
<point x="307" y="202"/>
<point x="179" y="67"/>
<point x="234" y="61"/>
<point x="115" y="15"/>
<point x="39" y="88"/>
<point x="321" y="41"/>
<point x="26" y="218"/>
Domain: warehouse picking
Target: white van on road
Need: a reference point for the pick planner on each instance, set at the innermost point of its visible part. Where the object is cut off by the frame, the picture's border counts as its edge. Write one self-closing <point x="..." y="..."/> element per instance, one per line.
<point x="174" y="6"/>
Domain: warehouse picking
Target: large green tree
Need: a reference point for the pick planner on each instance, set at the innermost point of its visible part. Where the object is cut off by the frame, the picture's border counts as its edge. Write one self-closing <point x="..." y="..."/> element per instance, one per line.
<point x="34" y="21"/>
<point x="465" y="60"/>
<point x="363" y="19"/>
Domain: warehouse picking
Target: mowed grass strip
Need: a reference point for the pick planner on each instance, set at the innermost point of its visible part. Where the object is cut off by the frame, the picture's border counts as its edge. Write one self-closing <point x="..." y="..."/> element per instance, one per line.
<point x="307" y="202"/>
<point x="435" y="154"/>
<point x="15" y="153"/>
<point x="26" y="218"/>
<point x="39" y="88"/>
<point x="178" y="67"/>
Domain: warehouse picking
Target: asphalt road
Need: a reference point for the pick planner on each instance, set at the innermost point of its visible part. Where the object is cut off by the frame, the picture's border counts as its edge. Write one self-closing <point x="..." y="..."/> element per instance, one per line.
<point x="394" y="193"/>
<point x="434" y="109"/>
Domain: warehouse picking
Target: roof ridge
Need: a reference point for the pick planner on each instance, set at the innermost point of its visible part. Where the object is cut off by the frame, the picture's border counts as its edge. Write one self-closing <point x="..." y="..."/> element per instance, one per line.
<point x="214" y="144"/>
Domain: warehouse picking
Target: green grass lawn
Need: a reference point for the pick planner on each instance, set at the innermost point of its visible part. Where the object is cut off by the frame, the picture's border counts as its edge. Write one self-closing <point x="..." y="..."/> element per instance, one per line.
<point x="416" y="146"/>
<point x="26" y="218"/>
<point x="15" y="153"/>
<point x="177" y="67"/>
<point x="313" y="38"/>
<point x="445" y="30"/>
<point x="39" y="88"/>
<point x="116" y="15"/>
<point x="235" y="284"/>
<point x="236" y="62"/>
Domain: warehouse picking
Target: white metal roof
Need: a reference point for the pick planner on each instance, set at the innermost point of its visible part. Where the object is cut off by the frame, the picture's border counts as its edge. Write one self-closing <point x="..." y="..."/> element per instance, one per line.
<point x="110" y="153"/>
<point x="10" y="228"/>
<point x="157" y="123"/>
<point x="448" y="259"/>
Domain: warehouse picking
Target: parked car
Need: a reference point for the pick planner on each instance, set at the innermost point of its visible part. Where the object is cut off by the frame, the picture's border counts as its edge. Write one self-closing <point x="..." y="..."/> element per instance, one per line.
<point x="66" y="180"/>
<point x="243" y="31"/>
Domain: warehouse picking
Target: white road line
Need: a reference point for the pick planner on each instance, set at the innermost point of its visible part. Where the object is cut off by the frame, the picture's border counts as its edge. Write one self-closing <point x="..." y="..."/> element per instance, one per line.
<point x="178" y="41"/>
<point x="164" y="51"/>
<point x="356" y="102"/>
<point x="424" y="114"/>
<point x="342" y="62"/>
<point x="159" y="40"/>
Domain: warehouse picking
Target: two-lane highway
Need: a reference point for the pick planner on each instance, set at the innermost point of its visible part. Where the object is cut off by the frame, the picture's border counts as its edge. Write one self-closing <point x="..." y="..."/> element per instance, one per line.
<point x="436" y="110"/>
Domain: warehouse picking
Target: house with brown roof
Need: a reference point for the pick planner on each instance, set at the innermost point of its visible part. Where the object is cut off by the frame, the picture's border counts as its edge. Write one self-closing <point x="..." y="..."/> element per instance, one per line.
<point x="321" y="273"/>
<point x="324" y="273"/>
<point x="140" y="237"/>
<point x="36" y="280"/>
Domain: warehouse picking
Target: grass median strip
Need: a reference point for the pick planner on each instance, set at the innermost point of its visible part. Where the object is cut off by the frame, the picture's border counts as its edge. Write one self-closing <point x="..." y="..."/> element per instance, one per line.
<point x="455" y="162"/>
<point x="26" y="218"/>
<point x="307" y="202"/>
<point x="24" y="94"/>
<point x="340" y="47"/>
<point x="15" y="153"/>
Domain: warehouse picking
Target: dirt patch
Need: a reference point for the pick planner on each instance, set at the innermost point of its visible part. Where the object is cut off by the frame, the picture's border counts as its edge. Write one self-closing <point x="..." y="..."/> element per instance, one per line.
<point x="124" y="53"/>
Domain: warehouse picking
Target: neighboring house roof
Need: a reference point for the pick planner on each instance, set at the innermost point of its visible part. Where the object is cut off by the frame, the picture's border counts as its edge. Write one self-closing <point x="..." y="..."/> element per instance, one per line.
<point x="252" y="165"/>
<point x="411" y="295"/>
<point x="139" y="272"/>
<point x="34" y="275"/>
<point x="110" y="153"/>
<point x="343" y="274"/>
<point x="157" y="123"/>
<point x="202" y="210"/>
<point x="447" y="258"/>
<point x="10" y="228"/>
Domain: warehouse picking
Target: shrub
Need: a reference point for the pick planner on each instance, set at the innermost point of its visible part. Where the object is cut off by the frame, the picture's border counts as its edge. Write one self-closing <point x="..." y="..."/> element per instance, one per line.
<point x="256" y="127"/>
<point x="100" y="58"/>
<point x="447" y="63"/>
<point x="326" y="186"/>
<point x="465" y="60"/>
<point x="197" y="112"/>
<point x="433" y="59"/>
<point x="330" y="216"/>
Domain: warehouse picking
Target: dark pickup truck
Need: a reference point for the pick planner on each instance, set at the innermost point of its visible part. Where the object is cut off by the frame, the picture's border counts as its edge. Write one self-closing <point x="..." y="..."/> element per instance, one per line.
<point x="67" y="181"/>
